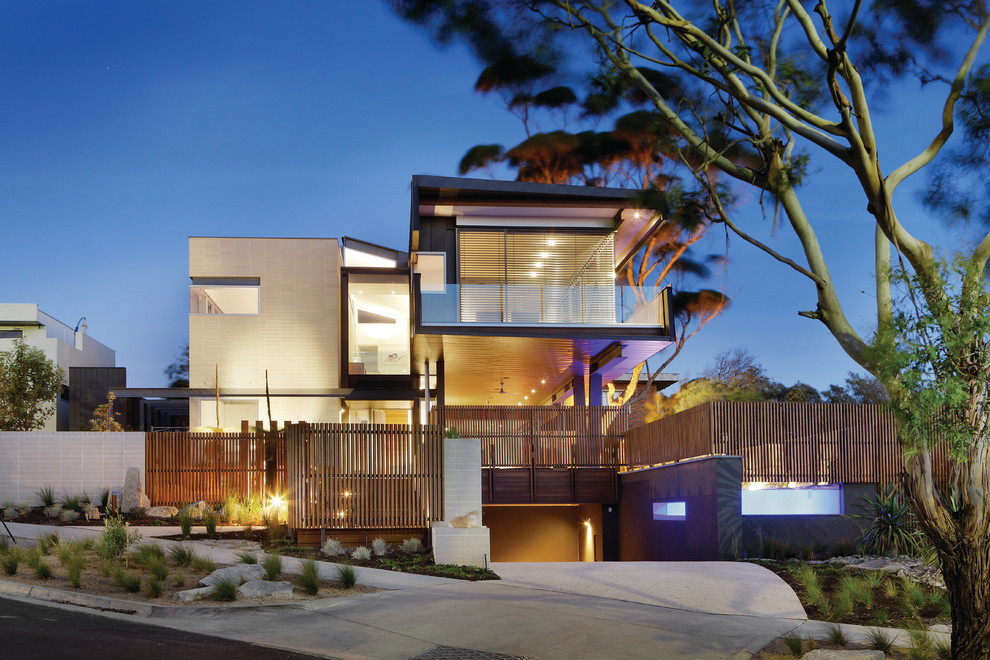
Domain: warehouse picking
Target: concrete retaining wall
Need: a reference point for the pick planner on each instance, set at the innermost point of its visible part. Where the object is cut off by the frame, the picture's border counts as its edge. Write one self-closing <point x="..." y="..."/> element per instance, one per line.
<point x="69" y="462"/>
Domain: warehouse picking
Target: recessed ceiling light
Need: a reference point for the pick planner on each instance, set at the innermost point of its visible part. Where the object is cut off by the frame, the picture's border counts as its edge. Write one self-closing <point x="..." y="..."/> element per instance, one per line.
<point x="544" y="381"/>
<point x="533" y="391"/>
<point x="526" y="397"/>
<point x="551" y="242"/>
<point x="538" y="265"/>
<point x="544" y="255"/>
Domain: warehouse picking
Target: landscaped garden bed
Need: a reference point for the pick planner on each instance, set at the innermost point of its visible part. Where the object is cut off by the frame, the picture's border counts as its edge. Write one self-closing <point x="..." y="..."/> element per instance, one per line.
<point x="148" y="573"/>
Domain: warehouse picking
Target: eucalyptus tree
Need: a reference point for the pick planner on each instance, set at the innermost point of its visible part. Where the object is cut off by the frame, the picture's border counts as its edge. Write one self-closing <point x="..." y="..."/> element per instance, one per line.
<point x="791" y="81"/>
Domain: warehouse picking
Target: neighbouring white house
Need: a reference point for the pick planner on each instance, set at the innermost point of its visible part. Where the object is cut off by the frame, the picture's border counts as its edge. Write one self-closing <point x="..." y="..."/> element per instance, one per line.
<point x="70" y="348"/>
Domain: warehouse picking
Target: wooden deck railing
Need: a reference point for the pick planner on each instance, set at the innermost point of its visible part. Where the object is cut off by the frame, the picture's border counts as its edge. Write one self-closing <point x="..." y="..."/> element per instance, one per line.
<point x="363" y="476"/>
<point x="541" y="436"/>
<point x="181" y="468"/>
<point x="781" y="442"/>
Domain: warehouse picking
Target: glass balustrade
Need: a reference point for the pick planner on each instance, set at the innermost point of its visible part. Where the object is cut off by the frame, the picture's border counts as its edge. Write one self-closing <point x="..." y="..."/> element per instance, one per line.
<point x="544" y="304"/>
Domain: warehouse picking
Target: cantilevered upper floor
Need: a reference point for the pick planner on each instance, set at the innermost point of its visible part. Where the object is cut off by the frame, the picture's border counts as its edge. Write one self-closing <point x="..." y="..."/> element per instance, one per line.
<point x="525" y="259"/>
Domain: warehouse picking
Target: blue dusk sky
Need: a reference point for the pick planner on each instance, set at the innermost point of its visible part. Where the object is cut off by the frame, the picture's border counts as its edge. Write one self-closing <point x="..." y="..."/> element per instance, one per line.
<point x="129" y="126"/>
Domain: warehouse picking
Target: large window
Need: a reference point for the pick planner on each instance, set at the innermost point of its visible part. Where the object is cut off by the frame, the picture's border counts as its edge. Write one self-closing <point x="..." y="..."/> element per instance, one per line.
<point x="378" y="324"/>
<point x="223" y="299"/>
<point x="533" y="277"/>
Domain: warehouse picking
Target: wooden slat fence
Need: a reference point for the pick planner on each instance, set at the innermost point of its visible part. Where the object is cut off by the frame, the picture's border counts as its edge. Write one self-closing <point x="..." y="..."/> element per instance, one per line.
<point x="782" y="442"/>
<point x="364" y="476"/>
<point x="181" y="468"/>
<point x="542" y="436"/>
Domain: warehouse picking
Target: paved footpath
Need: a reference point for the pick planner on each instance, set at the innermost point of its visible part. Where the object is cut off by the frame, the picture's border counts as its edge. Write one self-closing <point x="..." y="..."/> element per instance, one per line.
<point x="434" y="617"/>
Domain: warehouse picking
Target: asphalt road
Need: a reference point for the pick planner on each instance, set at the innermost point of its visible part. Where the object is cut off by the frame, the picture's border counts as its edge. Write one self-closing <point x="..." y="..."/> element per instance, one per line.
<point x="31" y="631"/>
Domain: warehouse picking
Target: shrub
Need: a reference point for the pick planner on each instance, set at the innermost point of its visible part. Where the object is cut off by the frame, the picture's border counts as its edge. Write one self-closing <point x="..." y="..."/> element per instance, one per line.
<point x="891" y="531"/>
<point x="66" y="550"/>
<point x="68" y="516"/>
<point x="47" y="496"/>
<point x="272" y="565"/>
<point x="309" y="577"/>
<point x="126" y="580"/>
<point x="48" y="542"/>
<point x="4" y="544"/>
<point x="412" y="545"/>
<point x="915" y="597"/>
<point x="74" y="566"/>
<point x="210" y="521"/>
<point x="113" y="541"/>
<point x="203" y="564"/>
<point x="878" y="640"/>
<point x="332" y="548"/>
<point x="179" y="580"/>
<point x="104" y="498"/>
<point x="274" y="528"/>
<point x="795" y="644"/>
<point x="346" y="576"/>
<point x="181" y="555"/>
<point x="942" y="648"/>
<point x="883" y="618"/>
<point x="231" y="508"/>
<point x="147" y="553"/>
<point x="836" y="634"/>
<point x="158" y="568"/>
<point x="843" y="548"/>
<point x="9" y="561"/>
<point x="379" y="547"/>
<point x="69" y="502"/>
<point x="42" y="570"/>
<point x="53" y="511"/>
<point x="185" y="523"/>
<point x="361" y="552"/>
<point x="108" y="566"/>
<point x="225" y="590"/>
<point x="245" y="557"/>
<point x="154" y="587"/>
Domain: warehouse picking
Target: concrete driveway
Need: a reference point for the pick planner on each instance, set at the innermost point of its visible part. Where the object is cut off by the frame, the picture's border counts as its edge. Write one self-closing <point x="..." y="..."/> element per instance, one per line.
<point x="713" y="587"/>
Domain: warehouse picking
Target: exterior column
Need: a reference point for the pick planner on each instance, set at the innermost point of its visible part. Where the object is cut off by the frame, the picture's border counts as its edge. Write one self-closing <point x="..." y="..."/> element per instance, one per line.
<point x="460" y="538"/>
<point x="595" y="389"/>
<point x="579" y="382"/>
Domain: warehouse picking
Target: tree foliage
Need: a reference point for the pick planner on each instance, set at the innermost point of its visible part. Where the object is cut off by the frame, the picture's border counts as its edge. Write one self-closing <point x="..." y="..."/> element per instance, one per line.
<point x="30" y="385"/>
<point x="178" y="371"/>
<point x="104" y="418"/>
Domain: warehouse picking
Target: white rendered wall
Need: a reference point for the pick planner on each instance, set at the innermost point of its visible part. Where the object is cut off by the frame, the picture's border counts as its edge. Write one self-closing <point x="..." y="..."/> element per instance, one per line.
<point x="58" y="341"/>
<point x="69" y="462"/>
<point x="295" y="335"/>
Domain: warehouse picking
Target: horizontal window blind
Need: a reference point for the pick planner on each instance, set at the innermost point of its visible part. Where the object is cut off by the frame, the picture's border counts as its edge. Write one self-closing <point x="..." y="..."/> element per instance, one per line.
<point x="536" y="277"/>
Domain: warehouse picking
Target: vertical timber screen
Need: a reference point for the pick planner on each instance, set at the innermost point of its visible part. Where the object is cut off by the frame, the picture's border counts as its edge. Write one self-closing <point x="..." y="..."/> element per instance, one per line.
<point x="364" y="476"/>
<point x="187" y="467"/>
<point x="782" y="442"/>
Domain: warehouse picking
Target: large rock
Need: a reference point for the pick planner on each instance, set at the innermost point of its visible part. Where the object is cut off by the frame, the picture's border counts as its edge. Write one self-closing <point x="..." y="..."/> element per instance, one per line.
<point x="161" y="512"/>
<point x="238" y="574"/>
<point x="189" y="595"/>
<point x="254" y="588"/>
<point x="133" y="497"/>
<point x="197" y="509"/>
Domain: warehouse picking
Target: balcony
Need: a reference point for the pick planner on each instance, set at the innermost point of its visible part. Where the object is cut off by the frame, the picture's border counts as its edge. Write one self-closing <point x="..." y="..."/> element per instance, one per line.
<point x="546" y="305"/>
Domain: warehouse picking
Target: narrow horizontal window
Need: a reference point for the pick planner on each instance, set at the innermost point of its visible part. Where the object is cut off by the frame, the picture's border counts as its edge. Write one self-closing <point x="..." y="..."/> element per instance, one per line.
<point x="11" y="334"/>
<point x="798" y="501"/>
<point x="670" y="510"/>
<point x="224" y="299"/>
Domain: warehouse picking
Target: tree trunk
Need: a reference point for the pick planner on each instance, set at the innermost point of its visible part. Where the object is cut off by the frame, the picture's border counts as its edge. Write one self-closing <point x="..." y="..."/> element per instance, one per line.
<point x="966" y="569"/>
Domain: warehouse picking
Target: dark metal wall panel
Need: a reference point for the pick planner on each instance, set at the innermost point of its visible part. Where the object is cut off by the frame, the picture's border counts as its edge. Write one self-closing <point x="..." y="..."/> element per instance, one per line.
<point x="709" y="491"/>
<point x="88" y="387"/>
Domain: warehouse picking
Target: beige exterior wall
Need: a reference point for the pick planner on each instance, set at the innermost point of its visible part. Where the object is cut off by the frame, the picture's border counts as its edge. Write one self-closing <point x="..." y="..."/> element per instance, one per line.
<point x="67" y="462"/>
<point x="294" y="336"/>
